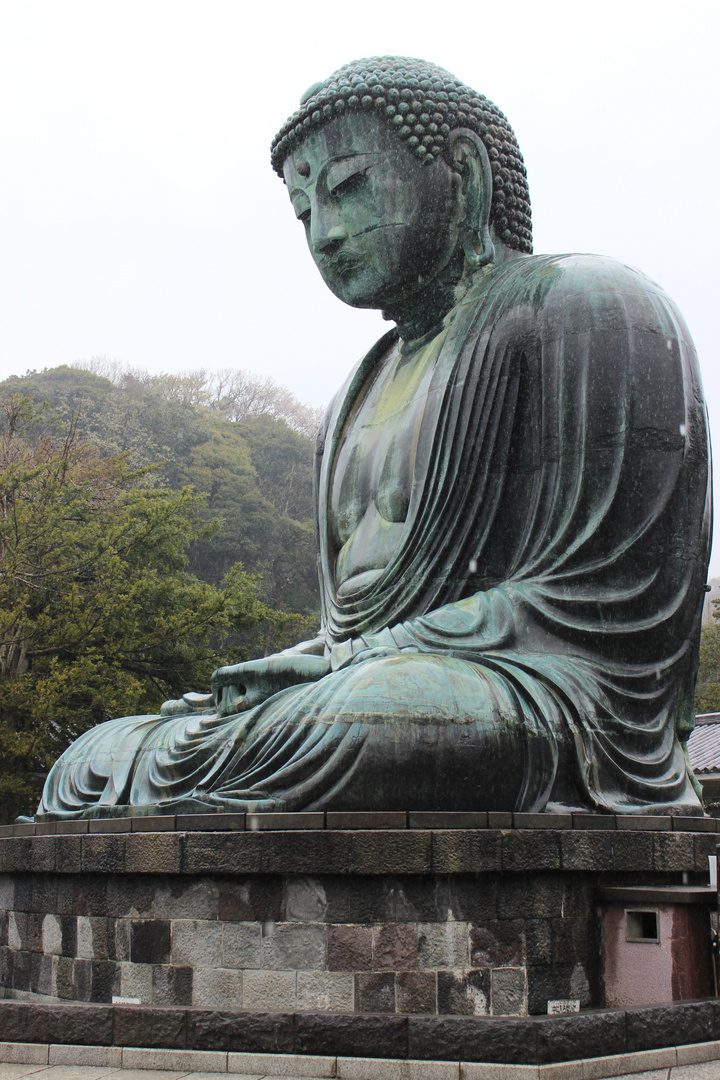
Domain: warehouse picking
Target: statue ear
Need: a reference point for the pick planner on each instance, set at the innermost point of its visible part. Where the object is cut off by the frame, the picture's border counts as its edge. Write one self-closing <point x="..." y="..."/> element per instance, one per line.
<point x="466" y="153"/>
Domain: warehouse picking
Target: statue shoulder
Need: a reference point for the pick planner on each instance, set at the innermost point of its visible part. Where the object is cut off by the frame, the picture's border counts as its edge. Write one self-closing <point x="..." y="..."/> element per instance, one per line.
<point x="595" y="292"/>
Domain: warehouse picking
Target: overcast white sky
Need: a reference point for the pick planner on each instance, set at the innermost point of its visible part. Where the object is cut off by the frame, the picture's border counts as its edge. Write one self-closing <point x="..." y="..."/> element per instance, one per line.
<point x="140" y="219"/>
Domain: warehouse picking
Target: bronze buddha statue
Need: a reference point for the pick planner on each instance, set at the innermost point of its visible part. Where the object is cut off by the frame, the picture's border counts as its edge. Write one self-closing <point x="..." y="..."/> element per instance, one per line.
<point x="512" y="508"/>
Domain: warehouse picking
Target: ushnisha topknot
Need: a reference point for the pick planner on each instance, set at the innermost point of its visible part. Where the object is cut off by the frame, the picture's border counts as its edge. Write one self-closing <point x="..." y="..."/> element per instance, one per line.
<point x="422" y="103"/>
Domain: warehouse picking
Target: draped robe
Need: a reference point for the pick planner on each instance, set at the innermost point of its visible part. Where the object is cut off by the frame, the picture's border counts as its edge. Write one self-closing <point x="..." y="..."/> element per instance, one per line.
<point x="533" y="642"/>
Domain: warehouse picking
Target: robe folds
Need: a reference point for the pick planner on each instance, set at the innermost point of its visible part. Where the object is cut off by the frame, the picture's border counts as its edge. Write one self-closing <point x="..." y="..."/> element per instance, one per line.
<point x="533" y="642"/>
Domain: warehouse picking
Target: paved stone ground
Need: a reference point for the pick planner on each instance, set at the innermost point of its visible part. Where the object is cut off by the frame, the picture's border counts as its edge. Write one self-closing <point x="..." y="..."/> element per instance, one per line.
<point x="709" y="1070"/>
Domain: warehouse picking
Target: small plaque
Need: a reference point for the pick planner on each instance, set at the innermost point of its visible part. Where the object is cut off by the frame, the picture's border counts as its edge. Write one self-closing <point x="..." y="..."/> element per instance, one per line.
<point x="563" y="1005"/>
<point x="117" y="999"/>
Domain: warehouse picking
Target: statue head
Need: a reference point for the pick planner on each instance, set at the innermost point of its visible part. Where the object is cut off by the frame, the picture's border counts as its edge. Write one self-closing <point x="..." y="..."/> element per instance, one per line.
<point x="403" y="178"/>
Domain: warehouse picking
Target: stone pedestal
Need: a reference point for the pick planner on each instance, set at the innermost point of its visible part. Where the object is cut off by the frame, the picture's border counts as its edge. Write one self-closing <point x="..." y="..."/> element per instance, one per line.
<point x="425" y="919"/>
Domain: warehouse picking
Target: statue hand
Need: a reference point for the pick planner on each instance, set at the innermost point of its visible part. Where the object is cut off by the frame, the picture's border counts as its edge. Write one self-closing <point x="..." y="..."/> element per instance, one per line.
<point x="242" y="686"/>
<point x="188" y="703"/>
<point x="367" y="647"/>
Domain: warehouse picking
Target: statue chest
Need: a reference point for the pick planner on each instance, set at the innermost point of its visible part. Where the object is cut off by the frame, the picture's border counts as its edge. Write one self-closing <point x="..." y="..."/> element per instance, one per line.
<point x="373" y="471"/>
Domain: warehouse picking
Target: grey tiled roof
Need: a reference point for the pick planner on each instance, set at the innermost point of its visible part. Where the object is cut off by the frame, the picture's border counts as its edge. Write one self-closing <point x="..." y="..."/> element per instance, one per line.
<point x="704" y="744"/>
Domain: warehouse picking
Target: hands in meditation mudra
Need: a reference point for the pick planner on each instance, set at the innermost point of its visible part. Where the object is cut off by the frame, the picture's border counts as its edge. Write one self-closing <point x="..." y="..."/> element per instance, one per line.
<point x="512" y="508"/>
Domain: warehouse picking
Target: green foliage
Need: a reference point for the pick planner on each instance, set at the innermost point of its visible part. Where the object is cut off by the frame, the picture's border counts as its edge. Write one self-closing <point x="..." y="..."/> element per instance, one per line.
<point x="99" y="616"/>
<point x="707" y="688"/>
<point x="242" y="441"/>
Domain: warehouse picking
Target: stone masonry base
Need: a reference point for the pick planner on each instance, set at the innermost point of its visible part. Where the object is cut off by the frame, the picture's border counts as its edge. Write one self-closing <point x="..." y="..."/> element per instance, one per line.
<point x="415" y="922"/>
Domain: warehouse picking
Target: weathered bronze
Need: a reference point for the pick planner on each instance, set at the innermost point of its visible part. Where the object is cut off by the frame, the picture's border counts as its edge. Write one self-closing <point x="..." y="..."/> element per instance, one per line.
<point x="512" y="508"/>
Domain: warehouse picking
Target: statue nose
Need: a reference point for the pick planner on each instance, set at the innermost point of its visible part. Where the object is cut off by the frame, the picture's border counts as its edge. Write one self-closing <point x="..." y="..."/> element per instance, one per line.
<point x="331" y="238"/>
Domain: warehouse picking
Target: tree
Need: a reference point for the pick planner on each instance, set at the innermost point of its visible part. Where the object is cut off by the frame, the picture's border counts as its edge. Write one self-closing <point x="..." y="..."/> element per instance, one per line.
<point x="98" y="614"/>
<point x="707" y="688"/>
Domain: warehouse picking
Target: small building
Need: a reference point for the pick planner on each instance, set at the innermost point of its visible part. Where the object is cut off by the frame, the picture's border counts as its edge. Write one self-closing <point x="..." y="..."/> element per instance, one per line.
<point x="704" y="753"/>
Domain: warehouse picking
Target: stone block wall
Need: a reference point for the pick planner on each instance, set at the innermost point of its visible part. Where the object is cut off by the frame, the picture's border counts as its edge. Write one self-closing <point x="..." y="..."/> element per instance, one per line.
<point x="487" y="922"/>
<point x="461" y="944"/>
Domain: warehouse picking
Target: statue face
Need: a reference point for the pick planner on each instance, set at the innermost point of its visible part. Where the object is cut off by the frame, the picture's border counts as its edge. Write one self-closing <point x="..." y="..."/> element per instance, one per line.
<point x="380" y="225"/>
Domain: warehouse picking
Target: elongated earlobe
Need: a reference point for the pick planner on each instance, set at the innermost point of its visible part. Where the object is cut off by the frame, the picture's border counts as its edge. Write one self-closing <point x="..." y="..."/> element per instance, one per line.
<point x="468" y="155"/>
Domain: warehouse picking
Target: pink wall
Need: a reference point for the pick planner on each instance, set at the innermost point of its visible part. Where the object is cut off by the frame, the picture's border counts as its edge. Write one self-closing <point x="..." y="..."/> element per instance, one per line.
<point x="652" y="973"/>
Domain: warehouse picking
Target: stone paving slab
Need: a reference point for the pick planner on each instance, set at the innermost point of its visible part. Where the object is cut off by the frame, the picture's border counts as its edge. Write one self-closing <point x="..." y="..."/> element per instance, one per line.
<point x="700" y="1061"/>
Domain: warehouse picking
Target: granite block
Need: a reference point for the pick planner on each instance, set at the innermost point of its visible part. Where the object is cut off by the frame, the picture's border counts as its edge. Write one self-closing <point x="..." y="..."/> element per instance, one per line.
<point x="463" y="992"/>
<point x="430" y="819"/>
<point x="196" y="943"/>
<point x="416" y="992"/>
<point x="151" y="1027"/>
<point x="473" y="897"/>
<point x="110" y="825"/>
<point x="607" y="851"/>
<point x="240" y="1032"/>
<point x="644" y="822"/>
<point x="207" y="853"/>
<point x="82" y="980"/>
<point x="150" y="942"/>
<point x="259" y="898"/>
<point x="587" y="1035"/>
<point x="68" y="935"/>
<point x="471" y="851"/>
<point x="104" y="980"/>
<point x="136" y="981"/>
<point x="390" y="852"/>
<point x="705" y="845"/>
<point x="24" y="828"/>
<point x="260" y="822"/>
<point x="695" y="824"/>
<point x="689" y="1022"/>
<point x="498" y="944"/>
<point x="92" y="937"/>
<point x="67" y="828"/>
<point x="172" y="985"/>
<point x="210" y="822"/>
<point x="538" y="941"/>
<point x="529" y="850"/>
<point x="508" y="991"/>
<point x="395" y="947"/>
<point x="325" y="991"/>
<point x="499" y="819"/>
<point x="550" y="982"/>
<point x="305" y="899"/>
<point x="42" y="855"/>
<point x="14" y="1021"/>
<point x="541" y="895"/>
<point x="41" y="975"/>
<point x="422" y="898"/>
<point x="443" y="945"/>
<point x="274" y="991"/>
<point x="375" y="992"/>
<point x="294" y="947"/>
<point x="241" y="944"/>
<point x="593" y="821"/>
<point x="571" y="941"/>
<point x="542" y="821"/>
<point x="151" y="823"/>
<point x="217" y="987"/>
<point x="355" y="1035"/>
<point x="673" y="851"/>
<point x="349" y="948"/>
<point x="395" y="819"/>
<point x="68" y="854"/>
<point x="371" y="899"/>
<point x="90" y="894"/>
<point x="103" y="854"/>
<point x="508" y="1041"/>
<point x="89" y="1025"/>
<point x="119" y="940"/>
<point x="153" y="853"/>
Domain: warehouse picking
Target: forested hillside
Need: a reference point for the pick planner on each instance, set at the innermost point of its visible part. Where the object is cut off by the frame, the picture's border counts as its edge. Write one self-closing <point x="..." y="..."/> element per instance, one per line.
<point x="151" y="528"/>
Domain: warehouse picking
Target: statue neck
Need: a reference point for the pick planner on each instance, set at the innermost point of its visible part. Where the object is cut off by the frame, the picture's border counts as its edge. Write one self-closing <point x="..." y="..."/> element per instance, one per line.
<point x="424" y="310"/>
